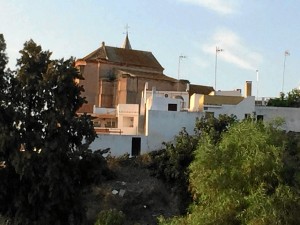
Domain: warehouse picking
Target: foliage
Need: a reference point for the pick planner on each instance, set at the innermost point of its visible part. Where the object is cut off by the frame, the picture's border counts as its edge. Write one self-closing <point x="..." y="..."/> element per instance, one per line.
<point x="214" y="127"/>
<point x="7" y="133"/>
<point x="240" y="180"/>
<point x="110" y="217"/>
<point x="292" y="99"/>
<point x="291" y="160"/>
<point x="171" y="164"/>
<point x="44" y="143"/>
<point x="93" y="168"/>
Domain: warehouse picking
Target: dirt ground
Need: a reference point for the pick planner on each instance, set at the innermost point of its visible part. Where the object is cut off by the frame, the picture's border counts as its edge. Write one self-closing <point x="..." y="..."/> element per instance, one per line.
<point x="141" y="197"/>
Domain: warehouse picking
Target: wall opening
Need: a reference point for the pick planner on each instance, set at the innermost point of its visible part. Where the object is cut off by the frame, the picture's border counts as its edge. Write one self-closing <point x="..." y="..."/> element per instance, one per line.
<point x="136" y="146"/>
<point x="172" y="107"/>
<point x="247" y="116"/>
<point x="260" y="118"/>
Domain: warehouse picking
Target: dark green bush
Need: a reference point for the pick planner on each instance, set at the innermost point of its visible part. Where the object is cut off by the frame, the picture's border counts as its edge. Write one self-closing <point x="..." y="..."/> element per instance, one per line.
<point x="93" y="168"/>
<point x="171" y="164"/>
<point x="110" y="217"/>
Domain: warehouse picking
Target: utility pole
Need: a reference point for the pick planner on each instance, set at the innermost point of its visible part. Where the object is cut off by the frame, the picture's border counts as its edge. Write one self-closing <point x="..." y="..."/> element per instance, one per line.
<point x="286" y="53"/>
<point x="216" y="64"/>
<point x="179" y="60"/>
<point x="257" y="84"/>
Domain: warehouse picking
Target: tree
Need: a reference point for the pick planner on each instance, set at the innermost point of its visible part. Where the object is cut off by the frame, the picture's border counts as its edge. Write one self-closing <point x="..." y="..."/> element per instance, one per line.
<point x="239" y="180"/>
<point x="8" y="143"/>
<point x="50" y="141"/>
<point x="214" y="127"/>
<point x="292" y="99"/>
<point x="171" y="164"/>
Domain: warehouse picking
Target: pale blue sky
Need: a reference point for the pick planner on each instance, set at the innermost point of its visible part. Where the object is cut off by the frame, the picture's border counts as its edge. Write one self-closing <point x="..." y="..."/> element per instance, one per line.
<point x="253" y="33"/>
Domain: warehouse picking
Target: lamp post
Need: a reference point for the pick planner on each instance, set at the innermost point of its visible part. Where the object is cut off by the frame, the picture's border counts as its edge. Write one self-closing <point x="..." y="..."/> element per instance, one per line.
<point x="257" y="84"/>
<point x="216" y="63"/>
<point x="286" y="53"/>
<point x="179" y="59"/>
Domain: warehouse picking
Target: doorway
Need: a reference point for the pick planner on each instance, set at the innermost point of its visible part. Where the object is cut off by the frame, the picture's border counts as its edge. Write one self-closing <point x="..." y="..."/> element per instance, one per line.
<point x="136" y="146"/>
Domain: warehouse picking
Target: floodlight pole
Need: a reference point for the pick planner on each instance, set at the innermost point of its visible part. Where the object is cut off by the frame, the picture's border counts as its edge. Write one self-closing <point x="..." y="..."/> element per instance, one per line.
<point x="179" y="60"/>
<point x="286" y="53"/>
<point x="257" y="80"/>
<point x="216" y="64"/>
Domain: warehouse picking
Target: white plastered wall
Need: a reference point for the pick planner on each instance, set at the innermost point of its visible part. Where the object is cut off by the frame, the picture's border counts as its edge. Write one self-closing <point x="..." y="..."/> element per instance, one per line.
<point x="291" y="116"/>
<point x="247" y="106"/>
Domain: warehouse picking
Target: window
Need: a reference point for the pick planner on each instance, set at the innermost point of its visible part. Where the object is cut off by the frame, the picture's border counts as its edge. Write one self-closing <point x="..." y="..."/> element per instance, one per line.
<point x="247" y="116"/>
<point x="110" y="124"/>
<point x="172" y="107"/>
<point x="260" y="118"/>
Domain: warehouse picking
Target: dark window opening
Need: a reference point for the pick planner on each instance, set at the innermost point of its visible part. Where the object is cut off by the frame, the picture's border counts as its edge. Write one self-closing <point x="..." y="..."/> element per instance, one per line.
<point x="172" y="107"/>
<point x="260" y="117"/>
<point x="247" y="115"/>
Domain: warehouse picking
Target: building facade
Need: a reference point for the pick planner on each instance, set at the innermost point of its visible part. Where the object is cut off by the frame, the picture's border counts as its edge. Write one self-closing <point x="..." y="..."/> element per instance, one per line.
<point x="115" y="76"/>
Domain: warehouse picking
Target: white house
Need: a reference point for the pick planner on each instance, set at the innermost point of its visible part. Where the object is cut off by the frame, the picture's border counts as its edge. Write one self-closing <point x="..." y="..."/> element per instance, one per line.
<point x="162" y="114"/>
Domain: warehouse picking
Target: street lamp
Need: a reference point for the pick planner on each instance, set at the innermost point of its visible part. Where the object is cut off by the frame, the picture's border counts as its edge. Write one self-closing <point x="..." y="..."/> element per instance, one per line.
<point x="216" y="63"/>
<point x="286" y="53"/>
<point x="257" y="84"/>
<point x="179" y="59"/>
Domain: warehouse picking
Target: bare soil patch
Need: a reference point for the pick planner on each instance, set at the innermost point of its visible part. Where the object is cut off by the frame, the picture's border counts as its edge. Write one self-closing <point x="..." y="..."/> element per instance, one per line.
<point x="141" y="197"/>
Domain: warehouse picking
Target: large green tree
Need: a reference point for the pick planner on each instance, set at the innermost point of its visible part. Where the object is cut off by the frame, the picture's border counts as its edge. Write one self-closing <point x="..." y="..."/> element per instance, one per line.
<point x="50" y="142"/>
<point x="291" y="99"/>
<point x="171" y="164"/>
<point x="240" y="180"/>
<point x="52" y="138"/>
<point x="8" y="143"/>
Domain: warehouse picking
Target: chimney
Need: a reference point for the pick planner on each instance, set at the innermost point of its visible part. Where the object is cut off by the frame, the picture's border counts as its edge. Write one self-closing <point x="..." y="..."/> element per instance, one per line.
<point x="187" y="87"/>
<point x="248" y="88"/>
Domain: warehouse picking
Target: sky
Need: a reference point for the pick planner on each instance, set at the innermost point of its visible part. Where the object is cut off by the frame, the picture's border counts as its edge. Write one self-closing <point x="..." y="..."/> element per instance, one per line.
<point x="253" y="36"/>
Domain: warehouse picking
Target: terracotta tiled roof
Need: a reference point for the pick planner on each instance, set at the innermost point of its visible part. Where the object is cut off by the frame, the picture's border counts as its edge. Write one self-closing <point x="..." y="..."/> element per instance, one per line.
<point x="124" y="56"/>
<point x="149" y="75"/>
<point x="221" y="100"/>
<point x="200" y="89"/>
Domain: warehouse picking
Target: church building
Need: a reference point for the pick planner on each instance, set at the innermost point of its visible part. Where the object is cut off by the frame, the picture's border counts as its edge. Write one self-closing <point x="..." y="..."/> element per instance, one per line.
<point x="115" y="76"/>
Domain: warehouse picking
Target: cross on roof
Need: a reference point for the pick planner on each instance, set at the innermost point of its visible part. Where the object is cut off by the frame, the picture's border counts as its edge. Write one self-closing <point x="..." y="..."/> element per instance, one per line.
<point x="126" y="28"/>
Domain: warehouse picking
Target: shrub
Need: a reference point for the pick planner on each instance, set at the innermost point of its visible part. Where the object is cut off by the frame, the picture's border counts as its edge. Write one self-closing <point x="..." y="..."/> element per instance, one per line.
<point x="110" y="217"/>
<point x="171" y="164"/>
